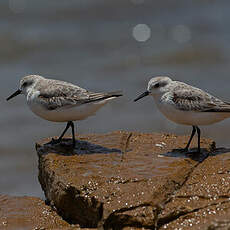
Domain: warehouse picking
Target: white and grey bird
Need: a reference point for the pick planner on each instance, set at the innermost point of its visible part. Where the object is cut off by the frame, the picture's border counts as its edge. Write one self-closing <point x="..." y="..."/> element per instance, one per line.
<point x="186" y="105"/>
<point x="60" y="101"/>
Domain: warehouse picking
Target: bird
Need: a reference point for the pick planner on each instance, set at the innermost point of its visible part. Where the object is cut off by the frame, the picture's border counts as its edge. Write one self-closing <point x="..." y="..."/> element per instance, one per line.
<point x="185" y="104"/>
<point x="60" y="101"/>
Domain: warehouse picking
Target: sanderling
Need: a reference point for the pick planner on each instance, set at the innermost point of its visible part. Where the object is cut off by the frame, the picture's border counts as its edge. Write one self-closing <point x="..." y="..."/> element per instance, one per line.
<point x="185" y="104"/>
<point x="60" y="101"/>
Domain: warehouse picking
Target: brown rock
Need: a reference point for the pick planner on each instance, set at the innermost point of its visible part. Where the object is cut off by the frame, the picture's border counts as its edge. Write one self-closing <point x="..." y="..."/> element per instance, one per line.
<point x="28" y="213"/>
<point x="94" y="185"/>
<point x="203" y="201"/>
<point x="219" y="222"/>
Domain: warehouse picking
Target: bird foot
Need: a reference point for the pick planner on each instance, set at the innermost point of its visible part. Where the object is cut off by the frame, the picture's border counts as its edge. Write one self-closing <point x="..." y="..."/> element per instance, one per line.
<point x="59" y="141"/>
<point x="55" y="141"/>
<point x="185" y="150"/>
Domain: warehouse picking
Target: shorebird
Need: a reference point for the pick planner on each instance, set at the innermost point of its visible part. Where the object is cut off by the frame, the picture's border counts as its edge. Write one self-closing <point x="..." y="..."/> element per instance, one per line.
<point x="60" y="101"/>
<point x="186" y="105"/>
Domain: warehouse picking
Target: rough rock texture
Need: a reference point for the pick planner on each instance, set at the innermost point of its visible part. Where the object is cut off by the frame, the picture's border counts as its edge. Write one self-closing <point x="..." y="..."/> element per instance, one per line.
<point x="121" y="180"/>
<point x="28" y="213"/>
<point x="205" y="197"/>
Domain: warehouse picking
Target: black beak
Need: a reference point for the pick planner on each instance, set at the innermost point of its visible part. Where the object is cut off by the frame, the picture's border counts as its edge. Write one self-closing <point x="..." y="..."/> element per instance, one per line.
<point x="146" y="93"/>
<point x="14" y="94"/>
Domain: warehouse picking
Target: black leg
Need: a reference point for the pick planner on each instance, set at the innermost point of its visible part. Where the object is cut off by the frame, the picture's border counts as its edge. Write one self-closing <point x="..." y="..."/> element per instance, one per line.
<point x="73" y="133"/>
<point x="190" y="139"/>
<point x="62" y="135"/>
<point x="198" y="133"/>
<point x="65" y="130"/>
<point x="69" y="124"/>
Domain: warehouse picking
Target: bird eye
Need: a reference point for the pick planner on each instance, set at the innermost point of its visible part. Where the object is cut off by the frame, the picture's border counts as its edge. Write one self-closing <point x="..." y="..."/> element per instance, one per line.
<point x="156" y="85"/>
<point x="24" y="84"/>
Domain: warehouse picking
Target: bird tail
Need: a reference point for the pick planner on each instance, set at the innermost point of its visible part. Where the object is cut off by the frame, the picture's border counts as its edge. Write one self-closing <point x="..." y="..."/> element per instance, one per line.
<point x="94" y="97"/>
<point x="114" y="94"/>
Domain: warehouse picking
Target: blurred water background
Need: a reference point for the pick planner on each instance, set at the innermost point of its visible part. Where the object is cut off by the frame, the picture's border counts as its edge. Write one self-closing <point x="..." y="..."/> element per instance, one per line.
<point x="105" y="45"/>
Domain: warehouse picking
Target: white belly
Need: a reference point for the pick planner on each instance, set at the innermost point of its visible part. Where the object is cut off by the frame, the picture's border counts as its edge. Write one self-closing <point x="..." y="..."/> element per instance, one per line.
<point x="191" y="117"/>
<point x="74" y="113"/>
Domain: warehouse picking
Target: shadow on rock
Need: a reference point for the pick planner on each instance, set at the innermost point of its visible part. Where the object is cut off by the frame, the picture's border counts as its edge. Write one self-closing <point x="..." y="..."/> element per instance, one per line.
<point x="194" y="155"/>
<point x="82" y="147"/>
<point x="219" y="151"/>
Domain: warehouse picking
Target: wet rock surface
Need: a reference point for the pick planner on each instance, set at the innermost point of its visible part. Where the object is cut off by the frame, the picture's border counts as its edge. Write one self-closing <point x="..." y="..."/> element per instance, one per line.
<point x="134" y="180"/>
<point x="203" y="199"/>
<point x="28" y="213"/>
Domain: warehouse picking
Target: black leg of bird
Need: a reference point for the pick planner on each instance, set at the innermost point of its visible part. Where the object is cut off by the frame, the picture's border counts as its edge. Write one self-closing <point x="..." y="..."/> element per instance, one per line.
<point x="55" y="141"/>
<point x="73" y="133"/>
<point x="65" y="130"/>
<point x="198" y="133"/>
<point x="190" y="139"/>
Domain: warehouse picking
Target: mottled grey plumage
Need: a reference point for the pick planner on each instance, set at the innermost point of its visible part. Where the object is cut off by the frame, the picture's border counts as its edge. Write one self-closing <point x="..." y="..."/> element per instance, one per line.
<point x="60" y="101"/>
<point x="56" y="94"/>
<point x="185" y="104"/>
<point x="189" y="98"/>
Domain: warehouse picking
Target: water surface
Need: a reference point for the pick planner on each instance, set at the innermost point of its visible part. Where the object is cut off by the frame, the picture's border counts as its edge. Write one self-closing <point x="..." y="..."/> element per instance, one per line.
<point x="91" y="43"/>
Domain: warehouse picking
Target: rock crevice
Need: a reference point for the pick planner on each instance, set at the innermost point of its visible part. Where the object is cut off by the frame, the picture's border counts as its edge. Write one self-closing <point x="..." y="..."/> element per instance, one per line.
<point x="124" y="179"/>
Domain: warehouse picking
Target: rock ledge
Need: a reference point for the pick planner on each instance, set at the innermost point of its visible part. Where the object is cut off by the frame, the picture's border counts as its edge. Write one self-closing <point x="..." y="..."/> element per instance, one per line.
<point x="124" y="179"/>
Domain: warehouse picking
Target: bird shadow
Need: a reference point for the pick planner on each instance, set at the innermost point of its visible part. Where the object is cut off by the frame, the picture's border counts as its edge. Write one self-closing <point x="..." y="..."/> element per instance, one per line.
<point x="194" y="155"/>
<point x="82" y="147"/>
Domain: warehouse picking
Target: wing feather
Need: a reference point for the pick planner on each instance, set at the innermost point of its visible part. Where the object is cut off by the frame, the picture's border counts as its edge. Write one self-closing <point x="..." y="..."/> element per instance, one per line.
<point x="193" y="99"/>
<point x="62" y="94"/>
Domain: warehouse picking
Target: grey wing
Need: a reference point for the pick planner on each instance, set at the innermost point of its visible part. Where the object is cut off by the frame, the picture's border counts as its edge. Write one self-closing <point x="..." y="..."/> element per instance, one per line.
<point x="57" y="94"/>
<point x="62" y="94"/>
<point x="224" y="107"/>
<point x="194" y="99"/>
<point x="93" y="97"/>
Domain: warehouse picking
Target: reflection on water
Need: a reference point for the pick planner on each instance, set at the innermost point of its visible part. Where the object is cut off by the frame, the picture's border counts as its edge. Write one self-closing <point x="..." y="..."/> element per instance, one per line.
<point x="141" y="32"/>
<point x="91" y="43"/>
